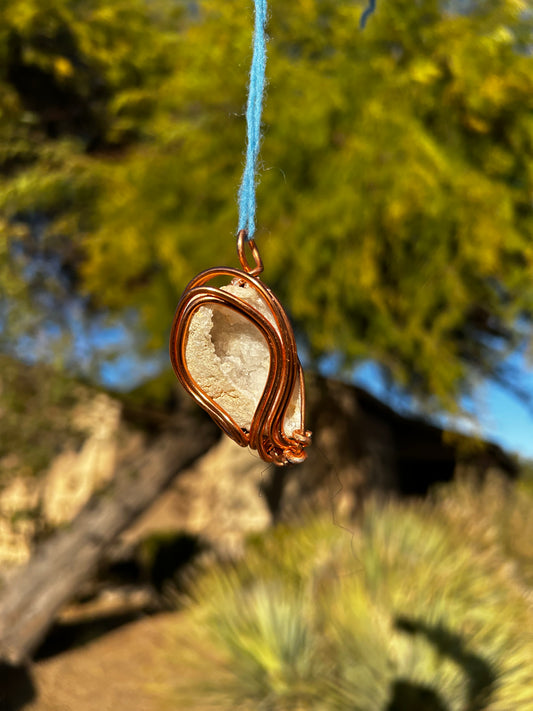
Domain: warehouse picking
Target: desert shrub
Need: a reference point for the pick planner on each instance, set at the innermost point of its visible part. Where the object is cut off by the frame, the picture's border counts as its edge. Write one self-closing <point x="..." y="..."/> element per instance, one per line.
<point x="497" y="520"/>
<point x="418" y="610"/>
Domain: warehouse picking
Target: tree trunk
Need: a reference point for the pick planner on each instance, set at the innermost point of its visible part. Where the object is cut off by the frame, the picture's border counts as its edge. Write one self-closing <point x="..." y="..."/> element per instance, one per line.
<point x="32" y="598"/>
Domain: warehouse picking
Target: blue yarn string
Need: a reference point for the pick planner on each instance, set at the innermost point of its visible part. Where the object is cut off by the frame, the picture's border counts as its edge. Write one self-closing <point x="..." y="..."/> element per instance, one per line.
<point x="253" y="115"/>
<point x="366" y="14"/>
<point x="253" y="120"/>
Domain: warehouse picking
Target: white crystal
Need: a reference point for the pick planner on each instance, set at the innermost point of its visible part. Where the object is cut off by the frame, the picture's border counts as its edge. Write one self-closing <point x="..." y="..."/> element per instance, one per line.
<point x="229" y="358"/>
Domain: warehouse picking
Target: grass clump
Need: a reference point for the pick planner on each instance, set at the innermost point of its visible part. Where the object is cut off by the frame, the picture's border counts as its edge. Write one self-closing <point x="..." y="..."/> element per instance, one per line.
<point x="417" y="611"/>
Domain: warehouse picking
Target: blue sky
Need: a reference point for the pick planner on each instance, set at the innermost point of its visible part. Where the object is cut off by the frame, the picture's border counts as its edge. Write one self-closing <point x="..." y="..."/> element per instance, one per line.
<point x="508" y="421"/>
<point x="502" y="417"/>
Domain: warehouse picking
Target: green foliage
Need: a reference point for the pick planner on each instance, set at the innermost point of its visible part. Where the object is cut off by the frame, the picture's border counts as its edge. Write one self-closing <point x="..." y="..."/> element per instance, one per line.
<point x="77" y="80"/>
<point x="416" y="612"/>
<point x="396" y="193"/>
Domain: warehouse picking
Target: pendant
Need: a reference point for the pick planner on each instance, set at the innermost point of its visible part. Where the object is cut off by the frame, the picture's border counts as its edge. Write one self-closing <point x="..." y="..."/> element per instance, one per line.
<point x="233" y="350"/>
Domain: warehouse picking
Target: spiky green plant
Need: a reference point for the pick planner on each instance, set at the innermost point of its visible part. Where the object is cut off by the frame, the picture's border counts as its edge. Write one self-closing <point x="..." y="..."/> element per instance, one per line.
<point x="417" y="611"/>
<point x="496" y="518"/>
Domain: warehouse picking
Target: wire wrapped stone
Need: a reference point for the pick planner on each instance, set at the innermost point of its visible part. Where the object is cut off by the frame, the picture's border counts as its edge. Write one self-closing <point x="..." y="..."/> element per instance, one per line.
<point x="233" y="350"/>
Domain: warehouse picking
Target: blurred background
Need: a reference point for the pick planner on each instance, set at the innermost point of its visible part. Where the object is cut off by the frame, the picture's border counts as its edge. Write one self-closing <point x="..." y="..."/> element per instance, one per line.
<point x="395" y="213"/>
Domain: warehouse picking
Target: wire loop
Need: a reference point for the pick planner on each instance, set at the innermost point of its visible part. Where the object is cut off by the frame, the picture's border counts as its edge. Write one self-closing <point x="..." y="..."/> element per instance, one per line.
<point x="242" y="241"/>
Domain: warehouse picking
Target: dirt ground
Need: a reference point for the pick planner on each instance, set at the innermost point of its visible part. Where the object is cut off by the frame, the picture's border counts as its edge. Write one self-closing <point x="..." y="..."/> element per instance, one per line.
<point x="127" y="669"/>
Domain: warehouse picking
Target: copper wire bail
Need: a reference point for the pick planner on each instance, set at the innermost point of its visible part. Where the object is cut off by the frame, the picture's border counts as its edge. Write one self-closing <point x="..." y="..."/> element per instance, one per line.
<point x="242" y="240"/>
<point x="267" y="434"/>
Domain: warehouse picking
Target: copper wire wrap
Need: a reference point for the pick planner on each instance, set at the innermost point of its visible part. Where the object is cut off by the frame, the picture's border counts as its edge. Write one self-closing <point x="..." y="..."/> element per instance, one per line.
<point x="266" y="433"/>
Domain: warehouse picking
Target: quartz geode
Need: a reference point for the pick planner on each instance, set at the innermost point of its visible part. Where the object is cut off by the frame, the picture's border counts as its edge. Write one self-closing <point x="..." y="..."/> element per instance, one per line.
<point x="229" y="359"/>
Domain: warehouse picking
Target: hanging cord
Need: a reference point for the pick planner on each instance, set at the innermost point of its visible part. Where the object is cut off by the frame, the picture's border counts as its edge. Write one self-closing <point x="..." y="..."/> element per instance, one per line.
<point x="253" y="120"/>
<point x="253" y="116"/>
<point x="369" y="10"/>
